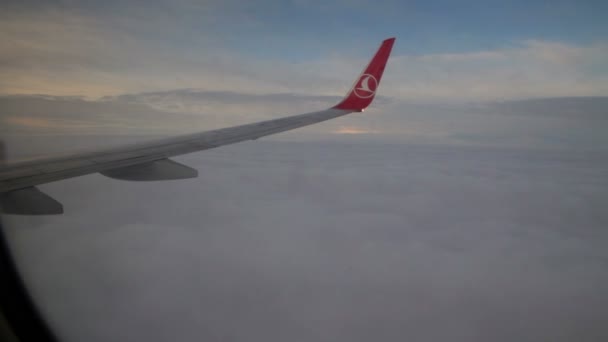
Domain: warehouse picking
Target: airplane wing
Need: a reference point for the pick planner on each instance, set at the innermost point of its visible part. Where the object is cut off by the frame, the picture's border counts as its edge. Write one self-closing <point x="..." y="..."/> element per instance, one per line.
<point x="150" y="161"/>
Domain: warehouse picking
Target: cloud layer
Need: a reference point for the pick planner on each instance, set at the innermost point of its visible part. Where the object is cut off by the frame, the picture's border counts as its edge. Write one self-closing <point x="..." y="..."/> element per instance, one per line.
<point x="558" y="123"/>
<point x="331" y="242"/>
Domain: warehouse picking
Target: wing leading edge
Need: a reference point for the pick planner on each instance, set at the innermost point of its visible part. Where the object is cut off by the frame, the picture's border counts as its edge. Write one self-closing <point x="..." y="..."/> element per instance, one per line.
<point x="150" y="161"/>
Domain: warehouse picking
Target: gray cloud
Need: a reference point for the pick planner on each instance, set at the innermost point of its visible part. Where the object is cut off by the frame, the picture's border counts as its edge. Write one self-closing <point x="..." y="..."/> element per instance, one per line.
<point x="329" y="241"/>
<point x="198" y="101"/>
<point x="574" y="108"/>
<point x="574" y="123"/>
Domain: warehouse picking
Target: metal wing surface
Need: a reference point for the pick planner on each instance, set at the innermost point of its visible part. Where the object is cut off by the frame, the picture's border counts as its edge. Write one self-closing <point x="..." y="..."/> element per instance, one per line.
<point x="150" y="161"/>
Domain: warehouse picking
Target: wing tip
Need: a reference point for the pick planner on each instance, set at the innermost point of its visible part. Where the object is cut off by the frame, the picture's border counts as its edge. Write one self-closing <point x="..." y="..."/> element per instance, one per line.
<point x="364" y="90"/>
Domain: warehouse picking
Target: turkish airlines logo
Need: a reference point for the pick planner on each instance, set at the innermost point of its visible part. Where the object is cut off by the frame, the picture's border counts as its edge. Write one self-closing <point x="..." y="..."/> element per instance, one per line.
<point x="366" y="86"/>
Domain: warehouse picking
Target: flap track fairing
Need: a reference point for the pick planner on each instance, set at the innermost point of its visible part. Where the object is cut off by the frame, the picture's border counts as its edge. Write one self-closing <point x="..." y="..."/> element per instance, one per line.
<point x="158" y="170"/>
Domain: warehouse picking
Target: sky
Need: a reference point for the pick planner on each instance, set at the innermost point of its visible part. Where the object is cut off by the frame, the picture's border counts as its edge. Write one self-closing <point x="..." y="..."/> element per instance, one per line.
<point x="474" y="50"/>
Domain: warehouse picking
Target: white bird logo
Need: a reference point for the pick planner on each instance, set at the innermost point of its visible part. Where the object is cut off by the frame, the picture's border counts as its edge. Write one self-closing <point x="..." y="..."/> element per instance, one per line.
<point x="366" y="86"/>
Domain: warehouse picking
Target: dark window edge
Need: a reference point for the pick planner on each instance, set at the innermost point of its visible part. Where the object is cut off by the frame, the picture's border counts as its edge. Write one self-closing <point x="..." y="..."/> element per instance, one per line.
<point x="23" y="320"/>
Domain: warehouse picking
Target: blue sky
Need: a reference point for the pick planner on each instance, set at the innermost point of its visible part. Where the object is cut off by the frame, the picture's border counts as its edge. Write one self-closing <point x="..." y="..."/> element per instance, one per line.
<point x="422" y="26"/>
<point x="428" y="27"/>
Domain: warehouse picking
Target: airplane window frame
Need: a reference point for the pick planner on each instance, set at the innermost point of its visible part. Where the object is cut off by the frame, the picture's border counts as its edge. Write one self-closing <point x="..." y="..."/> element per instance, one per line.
<point x="22" y="318"/>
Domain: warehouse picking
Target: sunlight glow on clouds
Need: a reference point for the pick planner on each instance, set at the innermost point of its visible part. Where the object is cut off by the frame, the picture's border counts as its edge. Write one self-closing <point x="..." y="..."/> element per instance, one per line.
<point x="353" y="130"/>
<point x="31" y="122"/>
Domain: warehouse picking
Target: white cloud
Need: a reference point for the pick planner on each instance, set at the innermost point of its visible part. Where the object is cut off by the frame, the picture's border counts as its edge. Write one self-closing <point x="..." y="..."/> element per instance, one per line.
<point x="530" y="69"/>
<point x="70" y="53"/>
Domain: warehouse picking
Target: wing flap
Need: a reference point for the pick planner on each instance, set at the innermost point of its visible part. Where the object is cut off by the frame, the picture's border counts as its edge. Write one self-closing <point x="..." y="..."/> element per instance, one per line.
<point x="29" y="201"/>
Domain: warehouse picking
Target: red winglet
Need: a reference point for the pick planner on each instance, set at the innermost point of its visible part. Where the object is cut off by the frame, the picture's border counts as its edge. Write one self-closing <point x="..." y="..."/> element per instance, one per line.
<point x="363" y="91"/>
